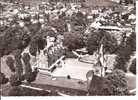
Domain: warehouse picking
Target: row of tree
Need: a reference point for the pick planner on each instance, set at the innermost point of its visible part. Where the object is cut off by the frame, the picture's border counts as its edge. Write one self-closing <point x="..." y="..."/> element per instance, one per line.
<point x="16" y="67"/>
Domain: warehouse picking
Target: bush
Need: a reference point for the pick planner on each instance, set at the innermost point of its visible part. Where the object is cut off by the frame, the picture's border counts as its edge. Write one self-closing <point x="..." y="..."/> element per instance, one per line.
<point x="10" y="63"/>
<point x="73" y="40"/>
<point x="3" y="79"/>
<point x="119" y="82"/>
<point x="133" y="67"/>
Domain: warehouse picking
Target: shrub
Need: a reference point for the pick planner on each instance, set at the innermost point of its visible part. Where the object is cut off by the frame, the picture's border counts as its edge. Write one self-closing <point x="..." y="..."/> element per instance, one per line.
<point x="10" y="63"/>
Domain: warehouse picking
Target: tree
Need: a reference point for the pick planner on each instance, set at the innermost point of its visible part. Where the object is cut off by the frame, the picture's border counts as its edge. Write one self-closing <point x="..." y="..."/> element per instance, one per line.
<point x="133" y="67"/>
<point x="18" y="64"/>
<point x="28" y="69"/>
<point x="26" y="59"/>
<point x="16" y="91"/>
<point x="78" y="19"/>
<point x="93" y="42"/>
<point x="120" y="63"/>
<point x="119" y="82"/>
<point x="37" y="43"/>
<point x="33" y="49"/>
<point x="96" y="38"/>
<point x="25" y="40"/>
<point x="34" y="28"/>
<point x="59" y="25"/>
<point x="13" y="38"/>
<point x="3" y="79"/>
<point x="29" y="74"/>
<point x="73" y="40"/>
<point x="109" y="43"/>
<point x="124" y="51"/>
<point x="100" y="86"/>
<point x="10" y="63"/>
<point x="14" y="80"/>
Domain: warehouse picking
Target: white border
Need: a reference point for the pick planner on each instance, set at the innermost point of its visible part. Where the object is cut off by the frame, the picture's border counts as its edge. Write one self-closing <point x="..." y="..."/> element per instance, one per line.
<point x="85" y="97"/>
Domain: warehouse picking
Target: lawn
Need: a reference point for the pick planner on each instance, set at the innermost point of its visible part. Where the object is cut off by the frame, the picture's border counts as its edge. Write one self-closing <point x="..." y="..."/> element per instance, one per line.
<point x="74" y="68"/>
